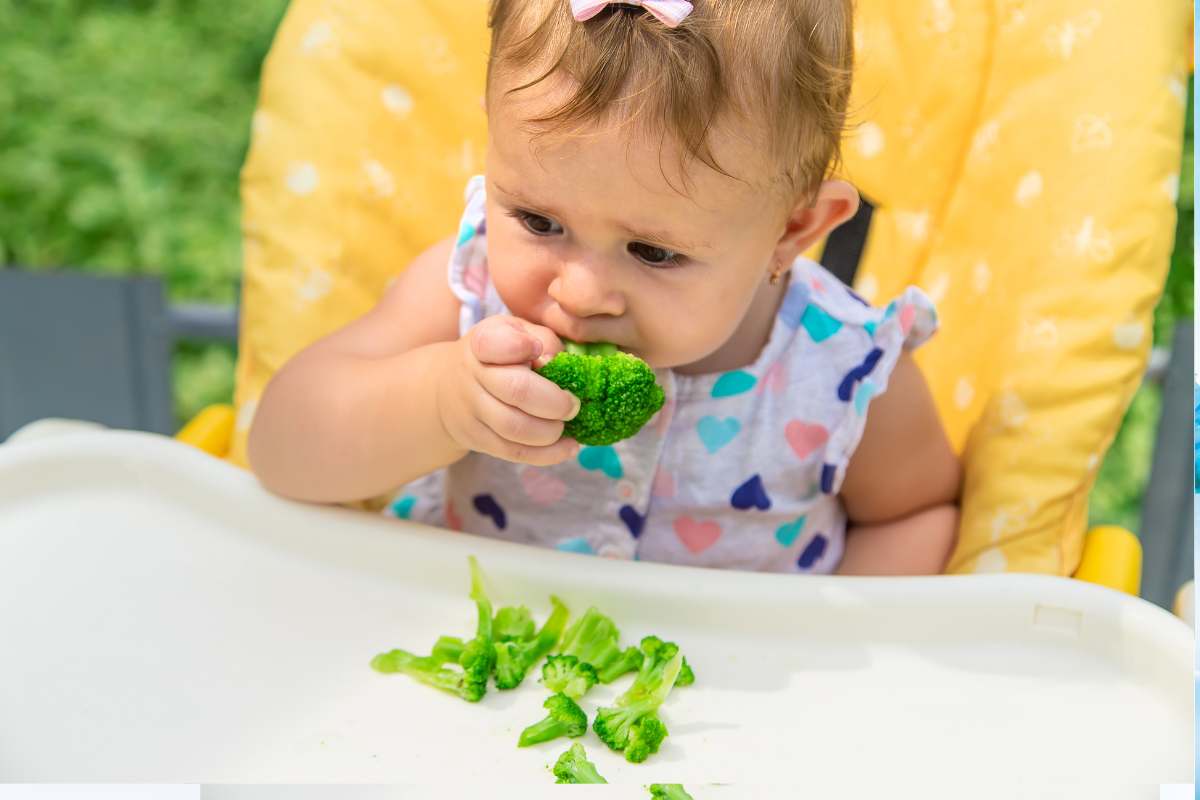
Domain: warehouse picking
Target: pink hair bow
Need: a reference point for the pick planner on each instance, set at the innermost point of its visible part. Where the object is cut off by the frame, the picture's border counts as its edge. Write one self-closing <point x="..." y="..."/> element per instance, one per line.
<point x="668" y="12"/>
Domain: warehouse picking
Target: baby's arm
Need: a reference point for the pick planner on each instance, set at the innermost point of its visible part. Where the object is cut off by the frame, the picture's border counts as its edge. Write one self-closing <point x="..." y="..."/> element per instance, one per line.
<point x="902" y="484"/>
<point x="398" y="394"/>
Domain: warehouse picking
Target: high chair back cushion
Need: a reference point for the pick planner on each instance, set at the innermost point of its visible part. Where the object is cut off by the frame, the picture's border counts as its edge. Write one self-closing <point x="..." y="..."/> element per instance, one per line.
<point x="1022" y="159"/>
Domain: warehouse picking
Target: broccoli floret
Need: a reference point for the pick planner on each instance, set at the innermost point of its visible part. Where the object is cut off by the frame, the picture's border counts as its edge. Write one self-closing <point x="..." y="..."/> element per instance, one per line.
<point x="573" y="767"/>
<point x="630" y="660"/>
<point x="448" y="649"/>
<point x="631" y="725"/>
<point x="592" y="639"/>
<point x="656" y="654"/>
<point x="565" y="718"/>
<point x="617" y="391"/>
<point x="669" y="791"/>
<point x="644" y="738"/>
<point x="568" y="675"/>
<point x="514" y="659"/>
<point x="513" y="624"/>
<point x="428" y="670"/>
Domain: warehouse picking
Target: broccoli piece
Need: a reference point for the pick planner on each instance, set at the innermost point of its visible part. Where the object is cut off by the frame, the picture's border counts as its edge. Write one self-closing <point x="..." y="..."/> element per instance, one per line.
<point x="513" y="624"/>
<point x="479" y="654"/>
<point x="428" y="670"/>
<point x="514" y="659"/>
<point x="448" y="649"/>
<point x="630" y="660"/>
<point x="573" y="767"/>
<point x="476" y="657"/>
<point x="655" y="656"/>
<point x="593" y="639"/>
<point x="566" y="718"/>
<point x="617" y="391"/>
<point x="631" y="725"/>
<point x="669" y="791"/>
<point x="568" y="675"/>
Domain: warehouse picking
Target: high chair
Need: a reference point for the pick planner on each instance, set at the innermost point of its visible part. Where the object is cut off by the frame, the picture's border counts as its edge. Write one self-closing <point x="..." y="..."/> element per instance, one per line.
<point x="1017" y="160"/>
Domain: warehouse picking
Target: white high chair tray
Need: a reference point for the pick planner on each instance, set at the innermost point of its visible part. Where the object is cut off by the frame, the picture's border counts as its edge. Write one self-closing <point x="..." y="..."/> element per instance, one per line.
<point x="164" y="619"/>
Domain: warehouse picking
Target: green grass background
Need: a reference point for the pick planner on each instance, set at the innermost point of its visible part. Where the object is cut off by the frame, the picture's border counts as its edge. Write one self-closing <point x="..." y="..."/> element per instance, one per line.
<point x="123" y="124"/>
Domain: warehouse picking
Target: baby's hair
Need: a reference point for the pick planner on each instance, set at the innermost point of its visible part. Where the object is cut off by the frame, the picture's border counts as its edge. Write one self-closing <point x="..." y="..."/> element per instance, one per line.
<point x="782" y="64"/>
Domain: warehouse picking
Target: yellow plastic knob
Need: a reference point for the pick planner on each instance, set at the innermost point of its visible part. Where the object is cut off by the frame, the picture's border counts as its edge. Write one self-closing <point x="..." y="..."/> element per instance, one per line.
<point x="1112" y="557"/>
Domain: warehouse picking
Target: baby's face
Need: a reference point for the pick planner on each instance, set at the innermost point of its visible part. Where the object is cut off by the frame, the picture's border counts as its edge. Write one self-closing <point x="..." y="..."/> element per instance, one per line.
<point x="586" y="236"/>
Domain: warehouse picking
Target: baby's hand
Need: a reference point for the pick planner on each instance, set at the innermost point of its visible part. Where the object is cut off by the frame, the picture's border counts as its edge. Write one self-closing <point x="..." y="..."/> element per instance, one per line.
<point x="491" y="401"/>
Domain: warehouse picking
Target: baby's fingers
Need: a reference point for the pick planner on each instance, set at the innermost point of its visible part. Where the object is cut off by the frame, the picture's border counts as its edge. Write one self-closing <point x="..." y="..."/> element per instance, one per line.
<point x="522" y="388"/>
<point x="503" y="341"/>
<point x="515" y="436"/>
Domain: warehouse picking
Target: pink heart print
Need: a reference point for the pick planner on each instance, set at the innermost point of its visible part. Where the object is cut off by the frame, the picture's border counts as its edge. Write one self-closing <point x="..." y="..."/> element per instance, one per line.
<point x="907" y="312"/>
<point x="805" y="438"/>
<point x="542" y="487"/>
<point x="696" y="536"/>
<point x="475" y="278"/>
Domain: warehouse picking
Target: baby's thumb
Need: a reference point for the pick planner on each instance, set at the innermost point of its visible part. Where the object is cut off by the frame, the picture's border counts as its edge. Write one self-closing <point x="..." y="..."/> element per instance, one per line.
<point x="504" y="344"/>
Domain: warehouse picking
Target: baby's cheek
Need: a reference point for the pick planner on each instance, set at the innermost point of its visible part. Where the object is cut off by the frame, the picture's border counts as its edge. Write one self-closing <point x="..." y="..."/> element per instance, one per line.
<point x="517" y="278"/>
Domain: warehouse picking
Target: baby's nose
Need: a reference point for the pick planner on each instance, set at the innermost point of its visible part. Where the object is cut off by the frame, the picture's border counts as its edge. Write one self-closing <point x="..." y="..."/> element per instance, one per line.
<point x="587" y="290"/>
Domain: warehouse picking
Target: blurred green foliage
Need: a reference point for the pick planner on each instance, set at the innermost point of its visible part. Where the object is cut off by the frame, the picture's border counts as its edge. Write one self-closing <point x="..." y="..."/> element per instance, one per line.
<point x="123" y="124"/>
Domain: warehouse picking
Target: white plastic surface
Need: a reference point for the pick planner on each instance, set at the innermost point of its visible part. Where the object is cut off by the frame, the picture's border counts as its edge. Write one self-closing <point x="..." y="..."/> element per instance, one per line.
<point x="164" y="619"/>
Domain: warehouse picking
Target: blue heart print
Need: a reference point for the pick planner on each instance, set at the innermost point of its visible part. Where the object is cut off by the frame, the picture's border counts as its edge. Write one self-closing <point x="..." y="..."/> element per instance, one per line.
<point x="828" y="471"/>
<point x="846" y="387"/>
<point x="819" y="324"/>
<point x="870" y="327"/>
<point x="402" y="508"/>
<point x="486" y="505"/>
<point x="788" y="532"/>
<point x="791" y="310"/>
<point x="751" y="494"/>
<point x="603" y="458"/>
<point x="576" y="544"/>
<point x="732" y="383"/>
<point x="632" y="519"/>
<point x="812" y="551"/>
<point x="716" y="433"/>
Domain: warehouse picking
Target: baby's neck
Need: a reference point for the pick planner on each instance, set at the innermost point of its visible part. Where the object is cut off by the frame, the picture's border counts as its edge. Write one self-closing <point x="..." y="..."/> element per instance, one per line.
<point x="748" y="340"/>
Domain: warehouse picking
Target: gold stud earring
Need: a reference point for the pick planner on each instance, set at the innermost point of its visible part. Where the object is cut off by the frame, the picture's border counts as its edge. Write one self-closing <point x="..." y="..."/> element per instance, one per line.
<point x="774" y="279"/>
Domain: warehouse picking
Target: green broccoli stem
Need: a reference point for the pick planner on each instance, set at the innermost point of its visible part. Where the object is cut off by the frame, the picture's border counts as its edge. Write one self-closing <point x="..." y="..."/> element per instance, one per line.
<point x="587" y="773"/>
<point x="427" y="670"/>
<point x="482" y="603"/>
<point x="543" y="731"/>
<point x="448" y="649"/>
<point x="589" y="348"/>
<point x="669" y="791"/>
<point x="629" y="661"/>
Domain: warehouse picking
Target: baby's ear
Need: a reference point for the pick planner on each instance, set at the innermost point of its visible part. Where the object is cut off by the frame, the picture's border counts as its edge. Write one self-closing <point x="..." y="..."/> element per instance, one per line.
<point x="835" y="202"/>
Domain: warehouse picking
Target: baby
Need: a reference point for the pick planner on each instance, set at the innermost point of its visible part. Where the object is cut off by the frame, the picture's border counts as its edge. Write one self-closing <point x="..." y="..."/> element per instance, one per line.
<point x="654" y="172"/>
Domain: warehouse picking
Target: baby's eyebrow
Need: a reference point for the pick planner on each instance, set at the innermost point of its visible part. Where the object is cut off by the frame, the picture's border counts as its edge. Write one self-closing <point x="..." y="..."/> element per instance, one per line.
<point x="520" y="198"/>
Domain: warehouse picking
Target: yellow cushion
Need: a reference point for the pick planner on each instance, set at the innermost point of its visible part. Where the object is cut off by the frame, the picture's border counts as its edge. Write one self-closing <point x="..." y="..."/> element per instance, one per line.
<point x="1022" y="157"/>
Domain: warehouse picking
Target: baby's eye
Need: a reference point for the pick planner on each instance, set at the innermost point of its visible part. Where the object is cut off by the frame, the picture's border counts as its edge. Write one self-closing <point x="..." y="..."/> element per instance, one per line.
<point x="653" y="256"/>
<point x="537" y="224"/>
